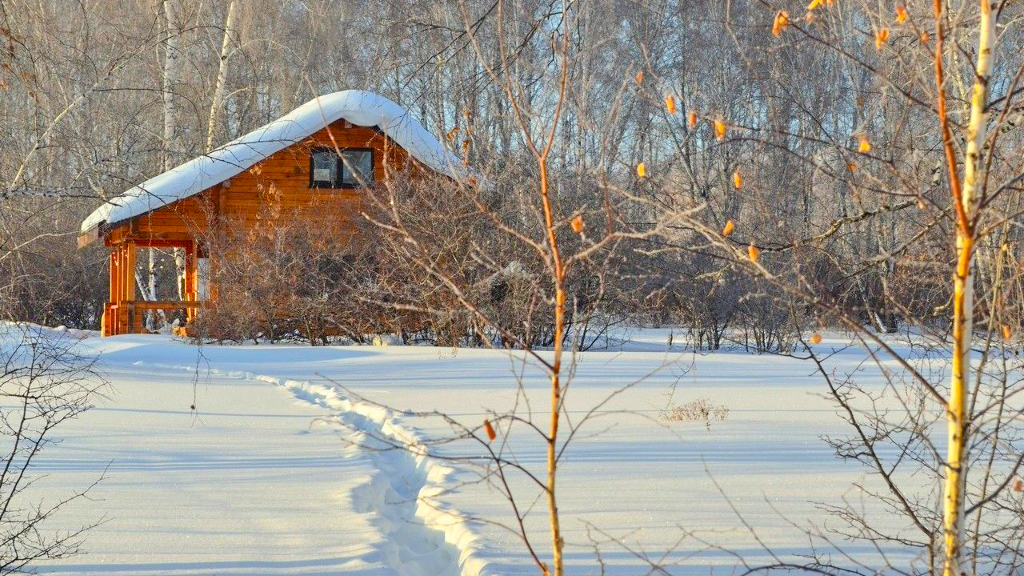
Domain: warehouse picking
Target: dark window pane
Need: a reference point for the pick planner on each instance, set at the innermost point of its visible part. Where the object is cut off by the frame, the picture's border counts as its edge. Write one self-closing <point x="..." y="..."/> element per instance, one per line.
<point x="325" y="168"/>
<point x="358" y="167"/>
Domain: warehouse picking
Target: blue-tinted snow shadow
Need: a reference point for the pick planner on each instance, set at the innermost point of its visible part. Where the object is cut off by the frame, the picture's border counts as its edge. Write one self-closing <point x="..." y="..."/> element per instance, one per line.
<point x="190" y="462"/>
<point x="163" y="351"/>
<point x="331" y="566"/>
<point x="681" y="562"/>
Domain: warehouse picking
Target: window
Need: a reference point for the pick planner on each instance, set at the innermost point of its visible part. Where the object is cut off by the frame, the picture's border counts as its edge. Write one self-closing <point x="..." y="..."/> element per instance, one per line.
<point x="324" y="168"/>
<point x="358" y="167"/>
<point x="353" y="168"/>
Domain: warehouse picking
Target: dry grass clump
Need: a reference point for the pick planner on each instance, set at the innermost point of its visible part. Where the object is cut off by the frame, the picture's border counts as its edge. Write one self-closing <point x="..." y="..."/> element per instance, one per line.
<point x="697" y="410"/>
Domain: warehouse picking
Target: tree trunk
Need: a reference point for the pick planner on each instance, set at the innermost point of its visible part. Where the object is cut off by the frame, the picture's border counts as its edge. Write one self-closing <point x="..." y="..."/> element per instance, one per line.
<point x="170" y="77"/>
<point x="557" y="543"/>
<point x="218" y="90"/>
<point x="963" y="302"/>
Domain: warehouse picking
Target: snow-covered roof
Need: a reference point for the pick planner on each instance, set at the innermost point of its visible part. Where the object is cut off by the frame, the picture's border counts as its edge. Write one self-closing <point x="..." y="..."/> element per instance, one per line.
<point x="356" y="106"/>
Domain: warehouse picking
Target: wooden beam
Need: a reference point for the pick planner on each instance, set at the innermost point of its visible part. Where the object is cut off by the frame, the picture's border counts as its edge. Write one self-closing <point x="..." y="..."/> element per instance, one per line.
<point x="190" y="280"/>
<point x="150" y="242"/>
<point x="112" y="276"/>
<point x="129" y="271"/>
<point x="167" y="305"/>
<point x="88" y="237"/>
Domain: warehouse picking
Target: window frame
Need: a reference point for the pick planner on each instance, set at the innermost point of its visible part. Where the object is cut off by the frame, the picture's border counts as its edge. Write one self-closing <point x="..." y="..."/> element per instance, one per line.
<point x="338" y="154"/>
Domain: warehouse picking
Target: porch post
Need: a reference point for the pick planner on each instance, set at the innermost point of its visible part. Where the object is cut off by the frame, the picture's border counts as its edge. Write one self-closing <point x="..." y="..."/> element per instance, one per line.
<point x="191" y="280"/>
<point x="109" y="318"/>
<point x="134" y="320"/>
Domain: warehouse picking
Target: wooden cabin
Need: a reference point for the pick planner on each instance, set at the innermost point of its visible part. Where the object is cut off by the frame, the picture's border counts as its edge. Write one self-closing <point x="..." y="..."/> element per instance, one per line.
<point x="331" y="151"/>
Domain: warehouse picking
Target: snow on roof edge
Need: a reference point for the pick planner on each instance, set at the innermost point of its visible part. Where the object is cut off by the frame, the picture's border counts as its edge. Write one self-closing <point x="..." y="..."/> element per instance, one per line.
<point x="359" y="107"/>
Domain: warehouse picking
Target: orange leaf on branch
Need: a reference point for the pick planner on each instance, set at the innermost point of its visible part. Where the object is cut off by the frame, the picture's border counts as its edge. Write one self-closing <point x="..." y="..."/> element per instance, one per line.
<point x="865" y="145"/>
<point x="577" y="224"/>
<point x="754" y="252"/>
<point x="670" y="104"/>
<point x="729" y="226"/>
<point x="880" y="37"/>
<point x="491" y="434"/>
<point x="737" y="180"/>
<point x="641" y="170"/>
<point x="901" y="13"/>
<point x="719" y="129"/>
<point x="780" y="23"/>
<point x="691" y="118"/>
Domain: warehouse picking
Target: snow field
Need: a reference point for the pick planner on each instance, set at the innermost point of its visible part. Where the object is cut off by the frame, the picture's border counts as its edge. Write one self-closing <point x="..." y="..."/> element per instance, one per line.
<point x="248" y="485"/>
<point x="635" y="489"/>
<point x="421" y="535"/>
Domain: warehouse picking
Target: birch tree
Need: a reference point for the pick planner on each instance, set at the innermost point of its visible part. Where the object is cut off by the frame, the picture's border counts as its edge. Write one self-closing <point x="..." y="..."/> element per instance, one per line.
<point x="910" y="108"/>
<point x="965" y="201"/>
<point x="218" y="90"/>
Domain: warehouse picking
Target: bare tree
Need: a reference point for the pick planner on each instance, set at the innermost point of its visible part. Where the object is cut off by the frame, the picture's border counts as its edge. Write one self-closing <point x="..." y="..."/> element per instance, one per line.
<point x="43" y="383"/>
<point x="939" y="228"/>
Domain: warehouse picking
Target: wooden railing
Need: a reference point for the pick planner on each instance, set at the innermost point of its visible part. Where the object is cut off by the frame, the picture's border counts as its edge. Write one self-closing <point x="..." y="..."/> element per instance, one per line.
<point x="128" y="316"/>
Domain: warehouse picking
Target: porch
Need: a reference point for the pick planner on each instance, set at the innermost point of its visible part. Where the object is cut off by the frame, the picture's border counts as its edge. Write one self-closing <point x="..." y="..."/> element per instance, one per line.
<point x="125" y="312"/>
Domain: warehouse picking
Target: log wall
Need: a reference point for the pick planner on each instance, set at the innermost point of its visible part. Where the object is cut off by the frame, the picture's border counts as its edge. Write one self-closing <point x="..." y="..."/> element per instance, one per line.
<point x="276" y="189"/>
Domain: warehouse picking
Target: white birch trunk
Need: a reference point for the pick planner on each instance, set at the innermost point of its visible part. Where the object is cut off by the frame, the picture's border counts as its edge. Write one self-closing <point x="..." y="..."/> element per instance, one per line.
<point x="218" y="90"/>
<point x="170" y="78"/>
<point x="963" y="315"/>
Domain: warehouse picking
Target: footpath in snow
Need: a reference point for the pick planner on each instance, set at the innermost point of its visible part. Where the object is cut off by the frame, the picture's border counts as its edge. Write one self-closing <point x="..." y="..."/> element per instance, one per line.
<point x="265" y="476"/>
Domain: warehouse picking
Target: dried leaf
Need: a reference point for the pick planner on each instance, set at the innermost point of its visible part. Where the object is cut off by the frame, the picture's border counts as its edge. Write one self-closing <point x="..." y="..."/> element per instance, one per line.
<point x="815" y="338"/>
<point x="815" y="4"/>
<point x="737" y="180"/>
<point x="670" y="104"/>
<point x="641" y="170"/>
<point x="901" y="13"/>
<point x="809" y="17"/>
<point x="880" y="37"/>
<point x="780" y="22"/>
<point x="852" y="166"/>
<point x="691" y="118"/>
<point x="719" y="129"/>
<point x="639" y="76"/>
<point x="1007" y="333"/>
<point x="864" y="146"/>
<point x="924" y="36"/>
<point x="489" y="429"/>
<point x="729" y="226"/>
<point x="754" y="252"/>
<point x="577" y="224"/>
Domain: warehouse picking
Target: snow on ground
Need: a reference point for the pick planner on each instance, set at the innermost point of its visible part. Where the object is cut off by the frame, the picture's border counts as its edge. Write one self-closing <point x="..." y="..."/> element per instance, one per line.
<point x="263" y="477"/>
